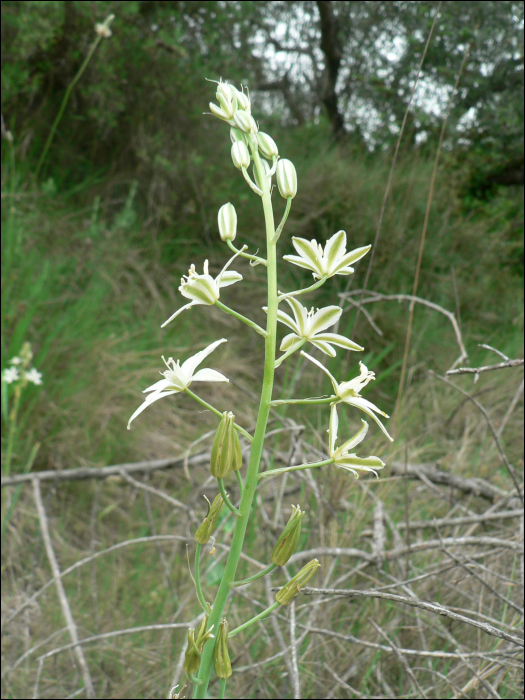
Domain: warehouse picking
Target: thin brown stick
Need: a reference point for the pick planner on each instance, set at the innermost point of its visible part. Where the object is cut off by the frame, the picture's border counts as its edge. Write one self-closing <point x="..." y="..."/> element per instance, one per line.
<point x="452" y="522"/>
<point x="422" y="242"/>
<point x="510" y="409"/>
<point x="64" y="603"/>
<point x="435" y="608"/>
<point x="151" y="489"/>
<point x="486" y="368"/>
<point x="293" y="654"/>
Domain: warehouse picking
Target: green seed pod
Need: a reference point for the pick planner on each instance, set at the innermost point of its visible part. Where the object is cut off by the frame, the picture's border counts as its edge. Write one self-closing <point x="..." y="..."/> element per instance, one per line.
<point x="226" y="452"/>
<point x="286" y="178"/>
<point x="267" y="145"/>
<point x="285" y="545"/>
<point x="223" y="667"/>
<point x="292" y="588"/>
<point x="196" y="641"/>
<point x="206" y="528"/>
<point x="240" y="155"/>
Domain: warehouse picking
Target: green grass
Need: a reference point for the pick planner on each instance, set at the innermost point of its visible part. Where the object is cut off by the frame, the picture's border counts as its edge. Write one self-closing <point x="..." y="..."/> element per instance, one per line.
<point x="89" y="286"/>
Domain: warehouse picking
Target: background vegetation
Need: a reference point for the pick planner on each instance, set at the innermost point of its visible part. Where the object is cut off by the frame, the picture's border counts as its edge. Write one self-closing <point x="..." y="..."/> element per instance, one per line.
<point x="93" y="248"/>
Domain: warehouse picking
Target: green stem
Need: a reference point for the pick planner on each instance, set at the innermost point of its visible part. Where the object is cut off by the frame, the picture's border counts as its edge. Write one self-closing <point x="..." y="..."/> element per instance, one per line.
<point x="250" y="483"/>
<point x="226" y="500"/>
<point x="316" y="285"/>
<point x="242" y="318"/>
<point x="255" y="258"/>
<point x="282" y="402"/>
<point x="198" y="586"/>
<point x="204" y="403"/>
<point x="281" y="359"/>
<point x="239" y="481"/>
<point x="285" y="470"/>
<point x="12" y="431"/>
<point x="258" y="617"/>
<point x="65" y="101"/>
<point x="222" y="688"/>
<point x="283" y="220"/>
<point x="255" y="577"/>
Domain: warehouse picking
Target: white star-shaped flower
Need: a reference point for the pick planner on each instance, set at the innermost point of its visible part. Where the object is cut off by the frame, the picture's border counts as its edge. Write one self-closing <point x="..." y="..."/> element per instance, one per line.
<point x="308" y="326"/>
<point x="333" y="260"/>
<point x="177" y="378"/>
<point x="33" y="376"/>
<point x="204" y="289"/>
<point x="10" y="375"/>
<point x="341" y="455"/>
<point x="349" y="392"/>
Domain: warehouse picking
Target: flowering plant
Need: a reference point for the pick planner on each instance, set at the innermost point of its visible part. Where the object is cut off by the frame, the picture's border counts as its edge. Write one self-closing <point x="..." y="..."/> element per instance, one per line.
<point x="208" y="644"/>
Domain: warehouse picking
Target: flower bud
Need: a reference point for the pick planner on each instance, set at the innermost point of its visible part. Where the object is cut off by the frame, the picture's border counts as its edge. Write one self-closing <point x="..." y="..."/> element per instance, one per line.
<point x="226" y="454"/>
<point x="227" y="98"/>
<point x="218" y="112"/>
<point x="238" y="135"/>
<point x="223" y="667"/>
<point x="196" y="641"/>
<point x="267" y="145"/>
<point x="285" y="545"/>
<point x="206" y="528"/>
<point x="240" y="155"/>
<point x="292" y="588"/>
<point x="266" y="169"/>
<point x="243" y="101"/>
<point x="244" y="121"/>
<point x="227" y="222"/>
<point x="286" y="178"/>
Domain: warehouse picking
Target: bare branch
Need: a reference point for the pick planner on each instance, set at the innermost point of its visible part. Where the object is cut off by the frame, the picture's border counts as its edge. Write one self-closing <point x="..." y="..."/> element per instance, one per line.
<point x="435" y="608"/>
<point x="486" y="368"/>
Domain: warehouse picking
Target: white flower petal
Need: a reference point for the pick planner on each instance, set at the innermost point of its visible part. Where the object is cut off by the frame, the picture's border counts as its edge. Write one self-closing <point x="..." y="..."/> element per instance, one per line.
<point x="229" y="277"/>
<point x="366" y="407"/>
<point x="203" y="289"/>
<point x="158" y="386"/>
<point x="332" y="429"/>
<point x="183" y="308"/>
<point x="191" y="364"/>
<point x="355" y="440"/>
<point x="324" y="318"/>
<point x="300" y="314"/>
<point x="300" y="262"/>
<point x="316" y="362"/>
<point x="339" y="340"/>
<point x="209" y="375"/>
<point x="307" y="250"/>
<point x="323" y="347"/>
<point x="291" y="341"/>
<point x="351" y="257"/>
<point x="151" y="398"/>
<point x="334" y="250"/>
<point x="287" y="320"/>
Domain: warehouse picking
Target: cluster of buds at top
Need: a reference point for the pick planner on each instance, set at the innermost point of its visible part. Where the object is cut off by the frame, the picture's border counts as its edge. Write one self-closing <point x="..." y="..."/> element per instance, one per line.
<point x="196" y="641"/>
<point x="230" y="102"/>
<point x="226" y="453"/>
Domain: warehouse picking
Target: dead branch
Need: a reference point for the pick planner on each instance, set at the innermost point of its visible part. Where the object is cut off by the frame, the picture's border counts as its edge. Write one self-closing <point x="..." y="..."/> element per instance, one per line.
<point x="486" y="368"/>
<point x="64" y="603"/>
<point x="452" y="522"/>
<point x="435" y="608"/>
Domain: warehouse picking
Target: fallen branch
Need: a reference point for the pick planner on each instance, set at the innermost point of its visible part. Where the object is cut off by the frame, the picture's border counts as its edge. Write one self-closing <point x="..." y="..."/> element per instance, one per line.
<point x="452" y="522"/>
<point x="487" y="368"/>
<point x="435" y="608"/>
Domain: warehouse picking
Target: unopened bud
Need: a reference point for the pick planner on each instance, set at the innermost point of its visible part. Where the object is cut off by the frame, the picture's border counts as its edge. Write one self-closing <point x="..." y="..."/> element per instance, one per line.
<point x="266" y="169"/>
<point x="267" y="145"/>
<point x="240" y="155"/>
<point x="238" y="135"/>
<point x="223" y="666"/>
<point x="227" y="98"/>
<point x="208" y="525"/>
<point x="245" y="122"/>
<point x="226" y="453"/>
<point x="285" y="545"/>
<point x="244" y="101"/>
<point x="294" y="585"/>
<point x="196" y="641"/>
<point x="103" y="29"/>
<point x="286" y="178"/>
<point x="227" y="222"/>
<point x="218" y="112"/>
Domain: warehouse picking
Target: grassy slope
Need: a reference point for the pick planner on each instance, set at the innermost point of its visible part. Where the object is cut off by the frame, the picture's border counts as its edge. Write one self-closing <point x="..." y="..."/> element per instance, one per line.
<point x="90" y="291"/>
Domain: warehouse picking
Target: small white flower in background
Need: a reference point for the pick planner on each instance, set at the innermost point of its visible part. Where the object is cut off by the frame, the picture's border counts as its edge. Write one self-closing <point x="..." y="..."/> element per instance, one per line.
<point x="309" y="326"/>
<point x="10" y="375"/>
<point x="15" y="361"/>
<point x="342" y="456"/>
<point x="334" y="260"/>
<point x="348" y="392"/>
<point x="33" y="376"/>
<point x="177" y="378"/>
<point x="204" y="289"/>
